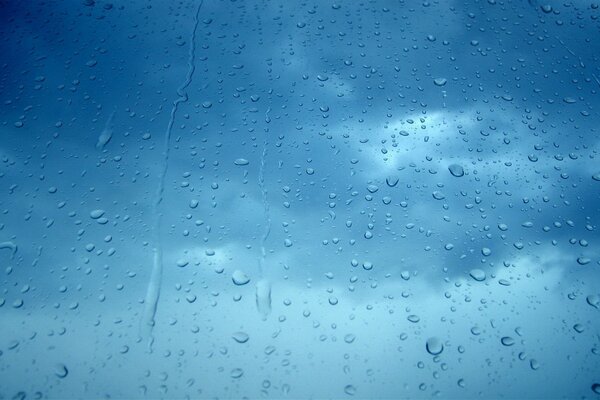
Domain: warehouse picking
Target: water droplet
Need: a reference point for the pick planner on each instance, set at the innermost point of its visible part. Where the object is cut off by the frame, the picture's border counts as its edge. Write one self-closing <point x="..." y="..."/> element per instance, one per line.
<point x="477" y="274"/>
<point x="239" y="278"/>
<point x="593" y="300"/>
<point x="438" y="195"/>
<point x="240" y="337"/>
<point x="391" y="181"/>
<point x="434" y="346"/>
<point x="350" y="390"/>
<point x="456" y="170"/>
<point x="413" y="318"/>
<point x="507" y="341"/>
<point x="372" y="188"/>
<point x="236" y="373"/>
<point x="241" y="161"/>
<point x="534" y="364"/>
<point x="583" y="260"/>
<point x="61" y="370"/>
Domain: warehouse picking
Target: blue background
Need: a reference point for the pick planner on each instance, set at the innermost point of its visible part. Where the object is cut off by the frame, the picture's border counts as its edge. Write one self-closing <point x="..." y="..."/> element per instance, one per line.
<point x="343" y="210"/>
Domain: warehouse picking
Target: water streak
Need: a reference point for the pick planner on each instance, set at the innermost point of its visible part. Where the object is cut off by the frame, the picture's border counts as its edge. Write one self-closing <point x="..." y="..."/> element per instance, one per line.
<point x="106" y="133"/>
<point x="154" y="286"/>
<point x="263" y="286"/>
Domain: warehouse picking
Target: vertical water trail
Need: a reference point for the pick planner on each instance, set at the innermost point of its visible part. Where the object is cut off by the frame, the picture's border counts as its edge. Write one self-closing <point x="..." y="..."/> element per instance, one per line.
<point x="106" y="133"/>
<point x="154" y="285"/>
<point x="265" y="201"/>
<point x="263" y="286"/>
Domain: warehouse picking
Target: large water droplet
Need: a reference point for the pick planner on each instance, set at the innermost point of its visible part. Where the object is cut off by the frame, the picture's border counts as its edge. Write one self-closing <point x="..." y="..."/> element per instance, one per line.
<point x="239" y="278"/>
<point x="434" y="346"/>
<point x="61" y="370"/>
<point x="240" y="337"/>
<point x="477" y="274"/>
<point x="456" y="170"/>
<point x="507" y="341"/>
<point x="350" y="390"/>
<point x="593" y="300"/>
<point x="236" y="373"/>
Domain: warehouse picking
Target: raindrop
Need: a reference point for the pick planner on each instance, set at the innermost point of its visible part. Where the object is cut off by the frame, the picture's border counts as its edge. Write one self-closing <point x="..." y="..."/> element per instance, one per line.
<point x="434" y="346"/>
<point x="438" y="195"/>
<point x="413" y="318"/>
<point x="477" y="274"/>
<point x="593" y="300"/>
<point x="507" y="341"/>
<point x="95" y="214"/>
<point x="239" y="278"/>
<point x="456" y="170"/>
<point x="350" y="390"/>
<point x="236" y="373"/>
<point x="583" y="260"/>
<point x="534" y="364"/>
<point x="61" y="370"/>
<point x="392" y="181"/>
<point x="240" y="337"/>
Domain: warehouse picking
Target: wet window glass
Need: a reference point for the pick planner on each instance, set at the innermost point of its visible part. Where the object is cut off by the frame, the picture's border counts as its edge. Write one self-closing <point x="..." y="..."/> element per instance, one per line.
<point x="299" y="199"/>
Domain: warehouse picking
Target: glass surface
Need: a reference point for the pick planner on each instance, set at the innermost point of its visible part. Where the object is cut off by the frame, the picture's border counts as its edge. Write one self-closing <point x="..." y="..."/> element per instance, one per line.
<point x="299" y="199"/>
